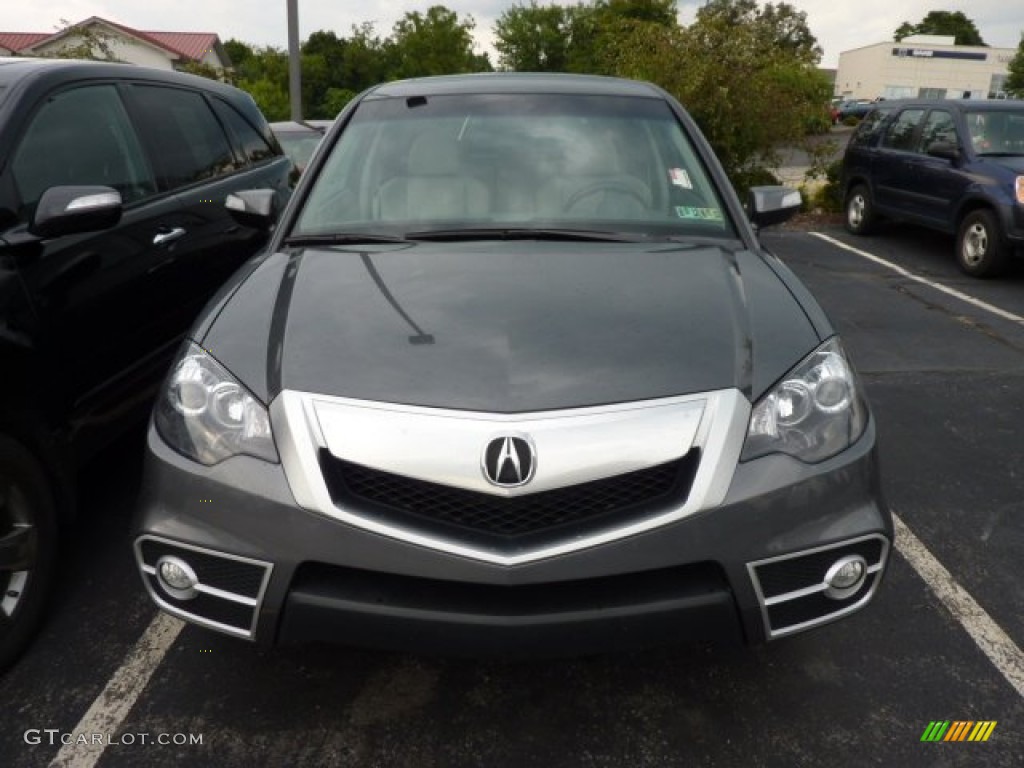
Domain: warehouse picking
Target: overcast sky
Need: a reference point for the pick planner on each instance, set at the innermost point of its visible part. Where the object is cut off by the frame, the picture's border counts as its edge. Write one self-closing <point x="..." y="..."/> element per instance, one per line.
<point x="839" y="25"/>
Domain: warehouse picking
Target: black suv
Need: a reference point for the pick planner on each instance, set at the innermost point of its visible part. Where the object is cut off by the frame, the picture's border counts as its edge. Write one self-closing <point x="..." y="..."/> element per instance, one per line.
<point x="954" y="166"/>
<point x="113" y="234"/>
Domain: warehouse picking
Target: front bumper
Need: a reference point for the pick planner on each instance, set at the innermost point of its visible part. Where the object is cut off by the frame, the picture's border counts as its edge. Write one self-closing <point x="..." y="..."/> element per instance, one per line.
<point x="750" y="569"/>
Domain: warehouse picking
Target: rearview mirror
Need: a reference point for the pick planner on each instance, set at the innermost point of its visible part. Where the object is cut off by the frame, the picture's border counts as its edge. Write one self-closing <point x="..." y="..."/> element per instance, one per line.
<point x="72" y="209"/>
<point x="256" y="208"/>
<point x="773" y="205"/>
<point x="944" y="149"/>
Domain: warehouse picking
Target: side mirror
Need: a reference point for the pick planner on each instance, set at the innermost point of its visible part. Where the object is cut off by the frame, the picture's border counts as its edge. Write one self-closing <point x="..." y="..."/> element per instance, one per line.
<point x="773" y="205"/>
<point x="255" y="208"/>
<point x="944" y="149"/>
<point x="71" y="210"/>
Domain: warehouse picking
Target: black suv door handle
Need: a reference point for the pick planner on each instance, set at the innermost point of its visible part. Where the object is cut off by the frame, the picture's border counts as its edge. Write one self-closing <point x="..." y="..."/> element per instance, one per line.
<point x="162" y="238"/>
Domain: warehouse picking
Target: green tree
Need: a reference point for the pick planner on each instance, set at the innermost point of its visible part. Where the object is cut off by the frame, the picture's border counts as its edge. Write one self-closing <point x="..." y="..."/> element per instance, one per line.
<point x="435" y="43"/>
<point x="366" y="60"/>
<point x="533" y="38"/>
<point x="779" y="26"/>
<point x="748" y="97"/>
<point x="1015" y="80"/>
<point x="953" y="23"/>
<point x="785" y="27"/>
<point x="205" y="70"/>
<point x="87" y="42"/>
<point x="335" y="100"/>
<point x="574" y="38"/>
<point x="263" y="73"/>
<point x="238" y="52"/>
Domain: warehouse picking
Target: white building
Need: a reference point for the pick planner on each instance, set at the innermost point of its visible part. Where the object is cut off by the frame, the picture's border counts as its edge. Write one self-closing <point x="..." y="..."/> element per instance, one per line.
<point x="923" y="66"/>
<point x="163" y="50"/>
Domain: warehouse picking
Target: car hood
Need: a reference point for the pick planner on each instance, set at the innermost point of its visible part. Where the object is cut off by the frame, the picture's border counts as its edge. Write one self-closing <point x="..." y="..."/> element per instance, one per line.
<point x="511" y="327"/>
<point x="1014" y="163"/>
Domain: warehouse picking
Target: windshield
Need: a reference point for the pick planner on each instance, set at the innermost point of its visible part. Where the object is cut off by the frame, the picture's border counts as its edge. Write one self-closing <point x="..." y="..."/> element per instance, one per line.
<point x="514" y="162"/>
<point x="996" y="132"/>
<point x="299" y="146"/>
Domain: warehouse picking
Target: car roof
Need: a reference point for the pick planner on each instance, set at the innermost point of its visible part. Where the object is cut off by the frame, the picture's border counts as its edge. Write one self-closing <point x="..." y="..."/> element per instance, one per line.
<point x="993" y="105"/>
<point x="515" y="82"/>
<point x="292" y="126"/>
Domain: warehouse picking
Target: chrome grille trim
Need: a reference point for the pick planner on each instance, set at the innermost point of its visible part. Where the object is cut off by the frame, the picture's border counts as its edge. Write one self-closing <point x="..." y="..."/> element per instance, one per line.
<point x="157" y="596"/>
<point x="874" y="572"/>
<point x="714" y="422"/>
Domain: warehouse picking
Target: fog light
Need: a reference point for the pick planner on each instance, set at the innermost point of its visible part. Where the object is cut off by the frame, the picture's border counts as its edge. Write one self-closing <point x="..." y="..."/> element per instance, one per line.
<point x="176" y="577"/>
<point x="845" y="576"/>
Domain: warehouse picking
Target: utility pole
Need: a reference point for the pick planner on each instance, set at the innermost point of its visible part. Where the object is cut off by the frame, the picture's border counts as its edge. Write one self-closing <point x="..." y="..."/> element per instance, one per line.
<point x="294" y="61"/>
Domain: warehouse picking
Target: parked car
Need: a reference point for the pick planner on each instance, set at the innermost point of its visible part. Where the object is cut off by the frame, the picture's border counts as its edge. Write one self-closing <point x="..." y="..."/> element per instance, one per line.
<point x="113" y="234"/>
<point x="299" y="139"/>
<point x="954" y="166"/>
<point x="856" y="108"/>
<point x="516" y="374"/>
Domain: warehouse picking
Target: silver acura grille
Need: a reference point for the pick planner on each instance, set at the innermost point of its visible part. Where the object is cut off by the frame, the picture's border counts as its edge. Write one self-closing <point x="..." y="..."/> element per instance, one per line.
<point x="445" y="449"/>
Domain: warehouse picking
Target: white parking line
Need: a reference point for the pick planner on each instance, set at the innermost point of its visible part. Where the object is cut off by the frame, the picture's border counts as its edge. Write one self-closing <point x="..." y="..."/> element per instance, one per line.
<point x="998" y="311"/>
<point x="989" y="636"/>
<point x="115" y="701"/>
<point x="112" y="706"/>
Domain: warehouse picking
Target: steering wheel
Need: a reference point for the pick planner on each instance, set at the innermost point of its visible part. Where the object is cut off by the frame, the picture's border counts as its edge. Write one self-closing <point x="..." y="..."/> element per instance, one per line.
<point x="605" y="185"/>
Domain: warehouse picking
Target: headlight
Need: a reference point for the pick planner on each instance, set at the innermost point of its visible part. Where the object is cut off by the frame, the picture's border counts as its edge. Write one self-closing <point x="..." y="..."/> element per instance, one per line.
<point x="813" y="414"/>
<point x="1019" y="189"/>
<point x="207" y="415"/>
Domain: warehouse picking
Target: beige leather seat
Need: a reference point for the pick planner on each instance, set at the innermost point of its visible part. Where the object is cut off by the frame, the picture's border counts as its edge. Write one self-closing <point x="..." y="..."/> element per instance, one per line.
<point x="435" y="186"/>
<point x="594" y="185"/>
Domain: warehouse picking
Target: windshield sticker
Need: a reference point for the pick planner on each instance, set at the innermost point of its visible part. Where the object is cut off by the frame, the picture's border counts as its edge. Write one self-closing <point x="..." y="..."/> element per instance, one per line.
<point x="702" y="214"/>
<point x="680" y="178"/>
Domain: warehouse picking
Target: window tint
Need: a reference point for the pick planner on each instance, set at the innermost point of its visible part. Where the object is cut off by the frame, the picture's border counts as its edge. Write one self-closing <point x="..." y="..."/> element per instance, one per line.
<point x="81" y="136"/>
<point x="188" y="139"/>
<point x="254" y="147"/>
<point x="869" y="126"/>
<point x="938" y="127"/>
<point x="994" y="133"/>
<point x="901" y="133"/>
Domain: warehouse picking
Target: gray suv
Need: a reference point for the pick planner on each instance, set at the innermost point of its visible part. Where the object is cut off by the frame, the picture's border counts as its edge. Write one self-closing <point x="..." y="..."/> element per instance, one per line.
<point x="514" y="375"/>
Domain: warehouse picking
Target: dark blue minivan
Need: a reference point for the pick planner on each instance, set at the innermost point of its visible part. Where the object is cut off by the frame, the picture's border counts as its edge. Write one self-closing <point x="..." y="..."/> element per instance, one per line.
<point x="954" y="166"/>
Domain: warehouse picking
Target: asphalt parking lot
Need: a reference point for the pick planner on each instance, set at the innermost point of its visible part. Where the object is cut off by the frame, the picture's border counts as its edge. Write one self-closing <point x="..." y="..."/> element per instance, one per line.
<point x="942" y="358"/>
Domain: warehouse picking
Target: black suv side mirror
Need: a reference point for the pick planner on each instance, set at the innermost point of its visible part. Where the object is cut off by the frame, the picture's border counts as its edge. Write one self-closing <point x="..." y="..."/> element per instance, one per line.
<point x="255" y="208"/>
<point x="70" y="210"/>
<point x="944" y="149"/>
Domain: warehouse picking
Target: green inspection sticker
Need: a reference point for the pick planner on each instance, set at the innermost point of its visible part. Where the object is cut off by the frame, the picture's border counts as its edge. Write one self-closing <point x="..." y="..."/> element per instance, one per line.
<point x="703" y="214"/>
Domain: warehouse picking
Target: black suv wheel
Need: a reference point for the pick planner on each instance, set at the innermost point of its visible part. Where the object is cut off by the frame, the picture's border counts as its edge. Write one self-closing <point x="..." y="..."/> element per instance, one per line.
<point x="28" y="545"/>
<point x="860" y="212"/>
<point x="980" y="250"/>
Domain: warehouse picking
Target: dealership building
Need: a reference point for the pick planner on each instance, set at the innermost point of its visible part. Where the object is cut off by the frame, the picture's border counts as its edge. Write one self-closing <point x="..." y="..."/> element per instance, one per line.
<point x="923" y="66"/>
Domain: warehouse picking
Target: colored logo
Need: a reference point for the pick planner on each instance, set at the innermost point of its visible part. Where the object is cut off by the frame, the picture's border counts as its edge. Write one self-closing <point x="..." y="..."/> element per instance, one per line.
<point x="958" y="730"/>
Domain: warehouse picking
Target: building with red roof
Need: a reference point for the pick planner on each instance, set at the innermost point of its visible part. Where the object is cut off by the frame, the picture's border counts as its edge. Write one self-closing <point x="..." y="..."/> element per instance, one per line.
<point x="163" y="50"/>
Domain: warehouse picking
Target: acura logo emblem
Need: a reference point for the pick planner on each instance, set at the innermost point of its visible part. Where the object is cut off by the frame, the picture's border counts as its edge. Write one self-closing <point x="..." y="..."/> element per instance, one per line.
<point x="509" y="461"/>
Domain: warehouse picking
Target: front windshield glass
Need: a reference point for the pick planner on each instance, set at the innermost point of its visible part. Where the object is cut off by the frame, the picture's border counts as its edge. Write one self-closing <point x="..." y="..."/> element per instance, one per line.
<point x="514" y="161"/>
<point x="996" y="132"/>
<point x="299" y="146"/>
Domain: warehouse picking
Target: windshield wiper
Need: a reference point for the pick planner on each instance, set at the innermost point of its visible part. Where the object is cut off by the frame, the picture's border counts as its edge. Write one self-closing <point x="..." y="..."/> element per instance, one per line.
<point x="523" y="233"/>
<point x="1001" y="154"/>
<point x="343" y="238"/>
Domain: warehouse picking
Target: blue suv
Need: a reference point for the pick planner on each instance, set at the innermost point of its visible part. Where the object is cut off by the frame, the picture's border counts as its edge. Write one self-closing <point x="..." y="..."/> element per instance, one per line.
<point x="953" y="166"/>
